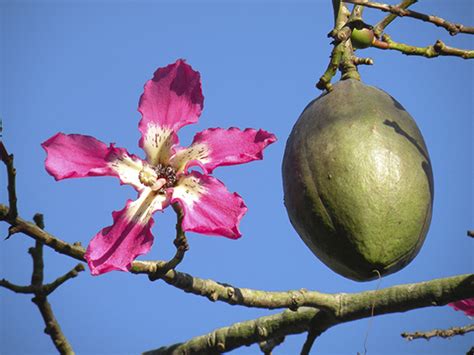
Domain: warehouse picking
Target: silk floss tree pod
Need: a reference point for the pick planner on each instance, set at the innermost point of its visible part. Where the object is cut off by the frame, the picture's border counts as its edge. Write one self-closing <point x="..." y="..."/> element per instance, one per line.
<point x="358" y="182"/>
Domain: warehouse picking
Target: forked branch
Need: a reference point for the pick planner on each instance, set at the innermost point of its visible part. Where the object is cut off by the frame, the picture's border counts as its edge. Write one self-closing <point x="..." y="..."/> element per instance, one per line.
<point x="40" y="292"/>
<point x="387" y="20"/>
<point x="452" y="28"/>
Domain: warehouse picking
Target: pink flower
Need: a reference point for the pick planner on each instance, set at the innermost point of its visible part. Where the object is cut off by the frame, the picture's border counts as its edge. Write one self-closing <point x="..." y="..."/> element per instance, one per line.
<point x="467" y="306"/>
<point x="171" y="100"/>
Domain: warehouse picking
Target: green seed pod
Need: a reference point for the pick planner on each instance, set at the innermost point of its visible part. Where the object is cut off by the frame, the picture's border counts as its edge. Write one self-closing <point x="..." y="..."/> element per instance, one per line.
<point x="358" y="182"/>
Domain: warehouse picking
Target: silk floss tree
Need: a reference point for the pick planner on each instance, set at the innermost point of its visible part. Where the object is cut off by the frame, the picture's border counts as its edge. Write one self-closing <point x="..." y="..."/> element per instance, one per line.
<point x="357" y="182"/>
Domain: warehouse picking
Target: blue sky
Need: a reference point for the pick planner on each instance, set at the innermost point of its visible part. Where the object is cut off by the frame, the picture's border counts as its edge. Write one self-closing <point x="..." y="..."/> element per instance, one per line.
<point x="79" y="67"/>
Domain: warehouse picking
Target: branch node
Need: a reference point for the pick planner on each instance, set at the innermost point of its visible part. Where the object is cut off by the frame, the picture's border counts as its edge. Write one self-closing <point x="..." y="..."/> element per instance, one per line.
<point x="213" y="296"/>
<point x="38" y="218"/>
<point x="262" y="332"/>
<point x="220" y="347"/>
<point x="362" y="61"/>
<point x="268" y="345"/>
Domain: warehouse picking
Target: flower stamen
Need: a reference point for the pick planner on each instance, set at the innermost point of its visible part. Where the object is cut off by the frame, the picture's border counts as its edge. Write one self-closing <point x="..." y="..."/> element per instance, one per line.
<point x="158" y="178"/>
<point x="147" y="176"/>
<point x="168" y="173"/>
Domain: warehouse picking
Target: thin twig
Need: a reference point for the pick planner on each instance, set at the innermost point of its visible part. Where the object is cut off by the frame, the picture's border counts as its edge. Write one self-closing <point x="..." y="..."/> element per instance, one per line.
<point x="442" y="333"/>
<point x="318" y="325"/>
<point x="11" y="173"/>
<point x="452" y="28"/>
<point x="181" y="244"/>
<point x="49" y="288"/>
<point x="438" y="49"/>
<point x="387" y="20"/>
<point x="16" y="288"/>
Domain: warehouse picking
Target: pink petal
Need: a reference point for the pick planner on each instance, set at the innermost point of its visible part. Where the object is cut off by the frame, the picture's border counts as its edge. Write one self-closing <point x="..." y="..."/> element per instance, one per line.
<point x="115" y="247"/>
<point x="171" y="100"/>
<point x="209" y="208"/>
<point x="467" y="306"/>
<point x="218" y="147"/>
<point x="75" y="156"/>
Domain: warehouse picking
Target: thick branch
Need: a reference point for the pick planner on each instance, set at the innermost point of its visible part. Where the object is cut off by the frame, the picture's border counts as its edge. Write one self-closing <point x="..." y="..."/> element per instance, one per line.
<point x="438" y="49"/>
<point x="244" y="333"/>
<point x="387" y="20"/>
<point x="452" y="28"/>
<point x="340" y="307"/>
<point x="353" y="306"/>
<point x="442" y="333"/>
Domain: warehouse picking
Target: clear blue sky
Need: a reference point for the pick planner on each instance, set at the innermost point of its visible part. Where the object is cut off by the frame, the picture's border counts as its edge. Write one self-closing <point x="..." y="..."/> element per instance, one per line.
<point x="80" y="66"/>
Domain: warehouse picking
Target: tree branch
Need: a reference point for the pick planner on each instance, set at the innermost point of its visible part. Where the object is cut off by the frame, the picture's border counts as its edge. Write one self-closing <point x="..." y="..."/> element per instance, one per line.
<point x="318" y="325"/>
<point x="181" y="244"/>
<point x="11" y="173"/>
<point x="216" y="291"/>
<point x="442" y="333"/>
<point x="387" y="20"/>
<point x="452" y="28"/>
<point x="438" y="49"/>
<point x="341" y="15"/>
<point x="41" y="291"/>
<point x="52" y="326"/>
<point x="352" y="307"/>
<point x="243" y="333"/>
<point x="15" y="288"/>
<point x="51" y="287"/>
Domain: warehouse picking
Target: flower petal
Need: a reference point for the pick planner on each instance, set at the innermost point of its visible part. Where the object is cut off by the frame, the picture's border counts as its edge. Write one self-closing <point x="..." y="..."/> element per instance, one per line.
<point x="218" y="147"/>
<point x="171" y="100"/>
<point x="76" y="155"/>
<point x="467" y="306"/>
<point x="209" y="208"/>
<point x="115" y="247"/>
